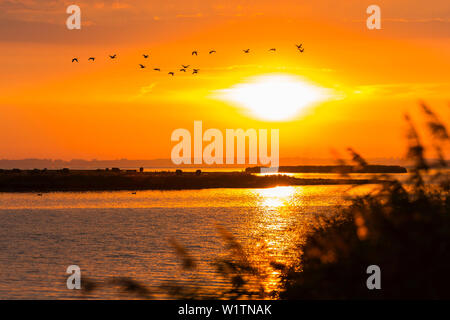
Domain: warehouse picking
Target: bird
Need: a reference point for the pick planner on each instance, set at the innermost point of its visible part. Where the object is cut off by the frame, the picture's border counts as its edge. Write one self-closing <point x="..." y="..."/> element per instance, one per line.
<point x="133" y="193"/>
<point x="75" y="60"/>
<point x="300" y="47"/>
<point x="246" y="50"/>
<point x="157" y="69"/>
<point x="145" y="56"/>
<point x="142" y="66"/>
<point x="194" y="71"/>
<point x="39" y="194"/>
<point x="171" y="73"/>
<point x="113" y="56"/>
<point x="194" y="53"/>
<point x="212" y="51"/>
<point x="91" y="58"/>
<point x="185" y="67"/>
<point x="183" y="70"/>
<point x="272" y="49"/>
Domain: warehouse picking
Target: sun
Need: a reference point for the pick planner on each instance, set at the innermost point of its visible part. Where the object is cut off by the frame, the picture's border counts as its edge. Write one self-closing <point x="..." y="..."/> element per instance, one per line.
<point x="273" y="97"/>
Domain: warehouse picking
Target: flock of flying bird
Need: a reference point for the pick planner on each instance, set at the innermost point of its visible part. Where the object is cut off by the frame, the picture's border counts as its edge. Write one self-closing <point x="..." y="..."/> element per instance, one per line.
<point x="185" y="67"/>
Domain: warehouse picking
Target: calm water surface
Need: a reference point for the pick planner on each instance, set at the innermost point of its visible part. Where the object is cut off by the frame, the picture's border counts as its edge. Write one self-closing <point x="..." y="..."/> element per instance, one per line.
<point x="124" y="234"/>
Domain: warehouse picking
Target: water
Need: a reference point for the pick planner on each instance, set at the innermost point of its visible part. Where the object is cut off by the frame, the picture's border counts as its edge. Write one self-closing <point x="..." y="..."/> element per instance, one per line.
<point x="112" y="234"/>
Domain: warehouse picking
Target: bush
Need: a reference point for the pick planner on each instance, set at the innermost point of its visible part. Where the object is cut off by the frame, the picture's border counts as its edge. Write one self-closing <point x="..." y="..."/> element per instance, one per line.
<point x="404" y="228"/>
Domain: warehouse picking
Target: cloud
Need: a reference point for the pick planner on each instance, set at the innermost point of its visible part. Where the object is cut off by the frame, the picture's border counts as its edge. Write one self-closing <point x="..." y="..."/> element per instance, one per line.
<point x="196" y="15"/>
<point x="120" y="5"/>
<point x="52" y="11"/>
<point x="269" y="68"/>
<point x="147" y="89"/>
<point x="99" y="5"/>
<point x="408" y="20"/>
<point x="143" y="91"/>
<point x="419" y="20"/>
<point x="403" y="90"/>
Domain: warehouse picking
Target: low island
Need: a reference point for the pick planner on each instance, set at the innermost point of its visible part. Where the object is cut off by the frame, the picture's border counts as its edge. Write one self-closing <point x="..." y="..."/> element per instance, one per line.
<point x="343" y="169"/>
<point x="116" y="179"/>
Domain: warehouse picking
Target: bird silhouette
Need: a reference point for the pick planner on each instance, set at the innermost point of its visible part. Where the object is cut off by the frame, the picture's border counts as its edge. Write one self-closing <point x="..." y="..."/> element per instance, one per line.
<point x="133" y="193"/>
<point x="184" y="67"/>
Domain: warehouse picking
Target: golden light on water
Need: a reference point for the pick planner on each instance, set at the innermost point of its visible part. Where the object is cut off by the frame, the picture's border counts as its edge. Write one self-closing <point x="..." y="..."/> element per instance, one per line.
<point x="274" y="97"/>
<point x="271" y="224"/>
<point x="276" y="197"/>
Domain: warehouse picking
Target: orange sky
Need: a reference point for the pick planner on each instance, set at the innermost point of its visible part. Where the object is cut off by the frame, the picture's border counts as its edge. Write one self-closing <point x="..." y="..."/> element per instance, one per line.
<point x="110" y="109"/>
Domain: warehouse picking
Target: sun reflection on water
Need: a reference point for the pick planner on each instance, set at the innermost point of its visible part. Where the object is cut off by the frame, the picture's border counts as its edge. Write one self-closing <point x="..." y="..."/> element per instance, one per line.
<point x="271" y="237"/>
<point x="276" y="197"/>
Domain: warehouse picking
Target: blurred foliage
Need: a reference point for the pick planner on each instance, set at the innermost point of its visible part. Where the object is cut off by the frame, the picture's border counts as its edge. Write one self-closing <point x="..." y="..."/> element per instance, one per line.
<point x="404" y="228"/>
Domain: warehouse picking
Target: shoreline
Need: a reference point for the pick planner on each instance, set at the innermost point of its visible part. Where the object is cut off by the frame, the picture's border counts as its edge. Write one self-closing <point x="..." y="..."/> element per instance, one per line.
<point x="79" y="181"/>
<point x="344" y="169"/>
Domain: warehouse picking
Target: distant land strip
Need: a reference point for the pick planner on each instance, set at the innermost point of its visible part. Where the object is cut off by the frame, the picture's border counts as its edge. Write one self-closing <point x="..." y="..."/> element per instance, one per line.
<point x="335" y="169"/>
<point x="101" y="180"/>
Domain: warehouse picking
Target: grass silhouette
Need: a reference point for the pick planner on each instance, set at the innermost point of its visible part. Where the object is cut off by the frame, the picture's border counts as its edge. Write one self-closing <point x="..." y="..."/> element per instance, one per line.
<point x="404" y="228"/>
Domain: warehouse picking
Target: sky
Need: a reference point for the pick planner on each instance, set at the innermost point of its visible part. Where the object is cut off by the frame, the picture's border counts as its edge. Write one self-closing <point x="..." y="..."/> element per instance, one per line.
<point x="113" y="109"/>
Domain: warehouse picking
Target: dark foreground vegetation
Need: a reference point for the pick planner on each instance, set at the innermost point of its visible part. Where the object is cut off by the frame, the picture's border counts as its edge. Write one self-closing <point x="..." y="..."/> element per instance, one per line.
<point x="403" y="228"/>
<point x="59" y="180"/>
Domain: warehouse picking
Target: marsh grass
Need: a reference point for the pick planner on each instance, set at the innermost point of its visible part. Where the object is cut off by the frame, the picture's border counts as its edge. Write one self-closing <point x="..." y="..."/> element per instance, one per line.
<point x="404" y="228"/>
